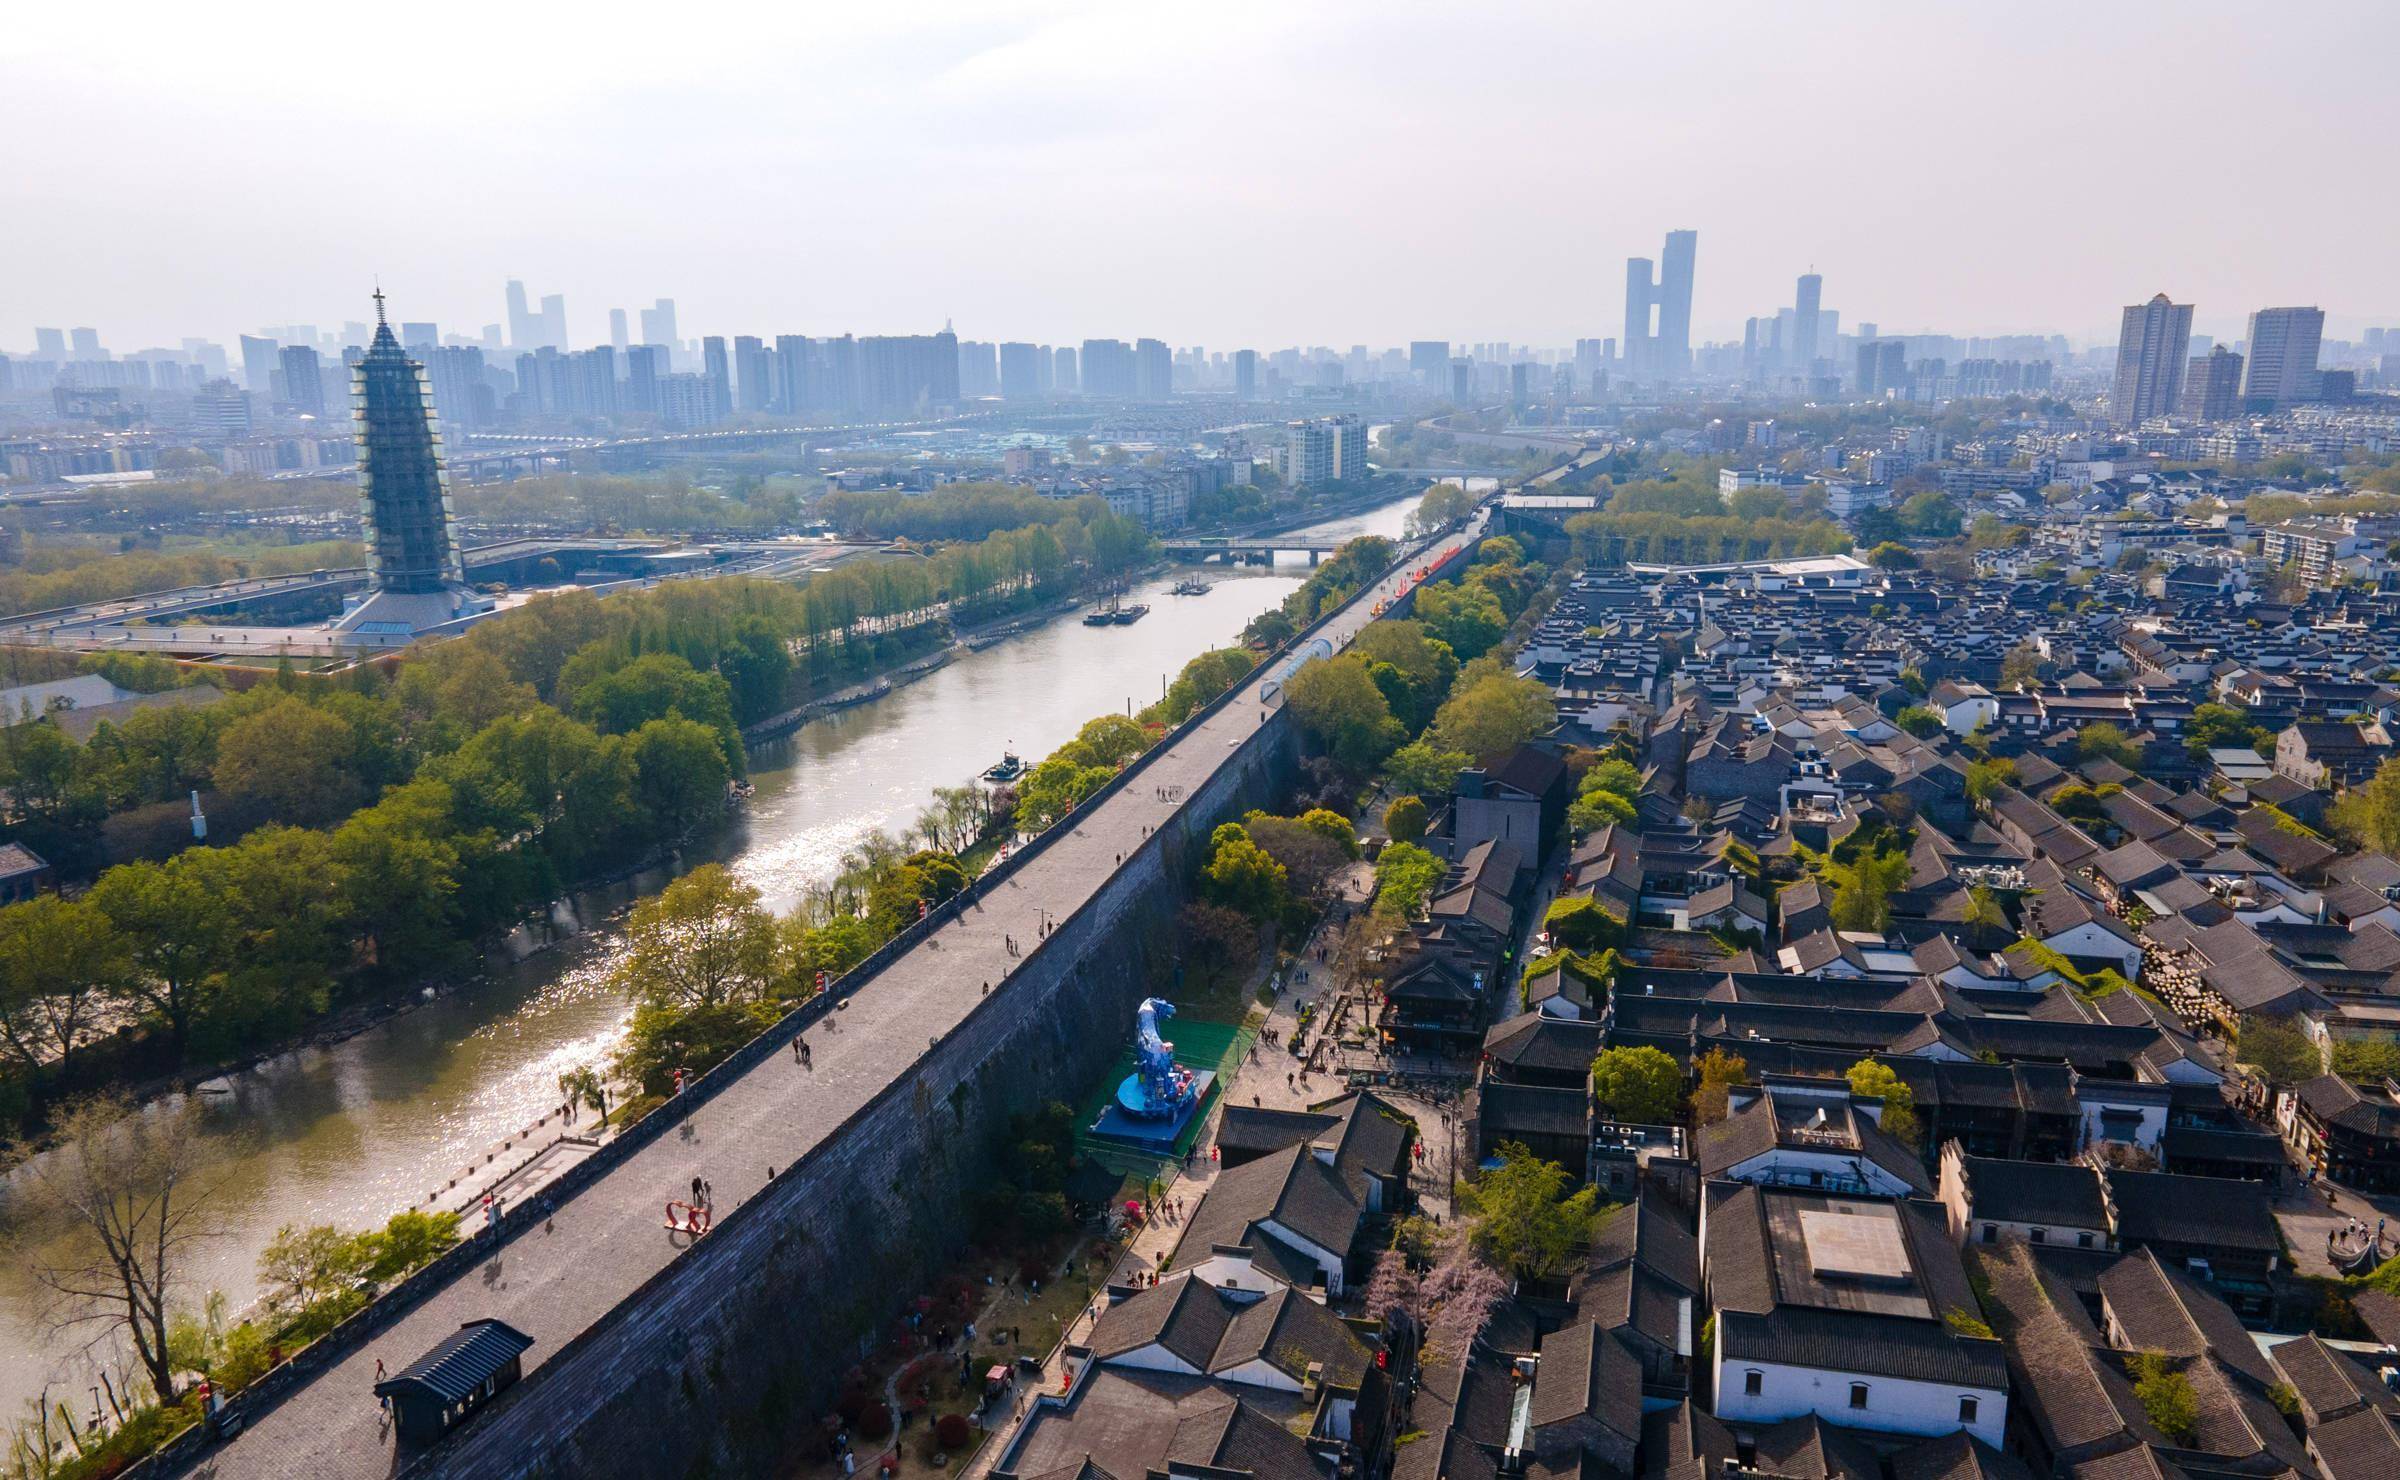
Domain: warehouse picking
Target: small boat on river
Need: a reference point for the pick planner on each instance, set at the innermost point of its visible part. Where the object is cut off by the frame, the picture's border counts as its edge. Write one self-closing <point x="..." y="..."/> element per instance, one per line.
<point x="1009" y="769"/>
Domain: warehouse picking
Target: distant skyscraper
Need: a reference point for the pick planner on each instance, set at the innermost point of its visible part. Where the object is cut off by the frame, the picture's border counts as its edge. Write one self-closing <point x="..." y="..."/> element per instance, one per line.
<point x="717" y="368"/>
<point x="303" y="381"/>
<point x="87" y="344"/>
<point x="221" y="409"/>
<point x="1520" y="383"/>
<point x="524" y="330"/>
<point x="753" y="373"/>
<point x="1153" y="370"/>
<point x="645" y="367"/>
<point x="1245" y="374"/>
<point x="419" y="337"/>
<point x="51" y="345"/>
<point x="1064" y="372"/>
<point x="1107" y="366"/>
<point x="620" y="336"/>
<point x="1661" y="349"/>
<point x="258" y="364"/>
<point x="658" y="326"/>
<point x="978" y="369"/>
<point x="414" y="571"/>
<point x="2283" y="356"/>
<point x="792" y="355"/>
<point x="1462" y="381"/>
<point x="1806" y="314"/>
<point x="460" y="397"/>
<point x="1639" y="295"/>
<point x="554" y="321"/>
<point x="1429" y="362"/>
<point x="1675" y="303"/>
<point x="2212" y="386"/>
<point x="1020" y="371"/>
<point x="2152" y="345"/>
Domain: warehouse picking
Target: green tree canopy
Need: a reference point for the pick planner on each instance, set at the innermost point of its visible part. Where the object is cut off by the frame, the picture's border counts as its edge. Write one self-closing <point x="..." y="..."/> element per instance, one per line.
<point x="1492" y="713"/>
<point x="1641" y="1085"/>
<point x="1337" y="702"/>
<point x="1873" y="1078"/>
<point x="1524" y="1219"/>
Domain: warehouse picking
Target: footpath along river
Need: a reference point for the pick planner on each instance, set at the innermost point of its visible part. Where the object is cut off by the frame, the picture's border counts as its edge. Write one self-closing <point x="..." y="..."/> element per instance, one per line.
<point x="351" y="1133"/>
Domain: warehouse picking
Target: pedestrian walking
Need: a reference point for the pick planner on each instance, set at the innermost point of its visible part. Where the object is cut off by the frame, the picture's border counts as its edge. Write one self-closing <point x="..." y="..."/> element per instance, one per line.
<point x="697" y="1184"/>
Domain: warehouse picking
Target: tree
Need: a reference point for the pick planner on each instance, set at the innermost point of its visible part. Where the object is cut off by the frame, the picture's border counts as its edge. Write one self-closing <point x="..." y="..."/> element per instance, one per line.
<point x="1757" y="502"/>
<point x="2277" y="1048"/>
<point x="1404" y="878"/>
<point x="679" y="775"/>
<point x="1404" y="819"/>
<point x="1718" y="1072"/>
<point x="1442" y="505"/>
<point x="1490" y="715"/>
<point x="1467" y="617"/>
<point x="1920" y="721"/>
<point x="651" y="687"/>
<point x="2101" y="740"/>
<point x="2021" y="667"/>
<point x="1240" y="875"/>
<point x="1639" y="1085"/>
<point x="704" y="942"/>
<point x="1986" y="779"/>
<point x="1525" y="1221"/>
<point x="1424" y="768"/>
<point x="2166" y="1396"/>
<point x="172" y="917"/>
<point x="1892" y="555"/>
<point x="583" y="1088"/>
<point x="60" y="962"/>
<point x="2369" y="1060"/>
<point x="2370" y="812"/>
<point x="128" y="1184"/>
<point x="1874" y="1079"/>
<point x="1221" y="942"/>
<point x="289" y="760"/>
<point x="1863" y="888"/>
<point x="1338" y="703"/>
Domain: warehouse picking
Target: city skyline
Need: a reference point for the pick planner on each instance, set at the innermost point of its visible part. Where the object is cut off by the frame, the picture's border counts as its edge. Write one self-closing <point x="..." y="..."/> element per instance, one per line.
<point x="978" y="195"/>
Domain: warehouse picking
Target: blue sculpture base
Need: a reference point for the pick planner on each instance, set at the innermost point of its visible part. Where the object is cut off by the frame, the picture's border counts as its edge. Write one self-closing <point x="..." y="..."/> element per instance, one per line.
<point x="1154" y="1134"/>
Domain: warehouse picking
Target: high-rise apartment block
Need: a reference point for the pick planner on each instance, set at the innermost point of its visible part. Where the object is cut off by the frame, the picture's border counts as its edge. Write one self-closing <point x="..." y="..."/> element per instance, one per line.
<point x="2283" y="356"/>
<point x="717" y="367"/>
<point x="2212" y="386"/>
<point x="1245" y="374"/>
<point x="1153" y="370"/>
<point x="2153" y="348"/>
<point x="1429" y="362"/>
<point x="303" y="380"/>
<point x="1107" y="366"/>
<point x="1806" y="316"/>
<point x="645" y="367"/>
<point x="1021" y="376"/>
<point x="1325" y="449"/>
<point x="753" y="373"/>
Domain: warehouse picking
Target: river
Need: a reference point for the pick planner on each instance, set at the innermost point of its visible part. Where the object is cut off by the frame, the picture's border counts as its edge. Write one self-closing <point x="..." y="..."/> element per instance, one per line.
<point x="352" y="1133"/>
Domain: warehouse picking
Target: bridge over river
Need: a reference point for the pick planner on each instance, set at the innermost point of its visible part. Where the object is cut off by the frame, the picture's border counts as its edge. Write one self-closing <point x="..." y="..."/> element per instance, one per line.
<point x="924" y="1047"/>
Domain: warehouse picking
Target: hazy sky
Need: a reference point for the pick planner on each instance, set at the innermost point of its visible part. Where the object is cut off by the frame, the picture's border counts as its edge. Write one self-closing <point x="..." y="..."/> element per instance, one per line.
<point x="1207" y="172"/>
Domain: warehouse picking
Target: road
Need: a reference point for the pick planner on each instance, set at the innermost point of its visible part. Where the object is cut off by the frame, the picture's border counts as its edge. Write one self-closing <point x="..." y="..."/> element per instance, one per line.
<point x="609" y="1239"/>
